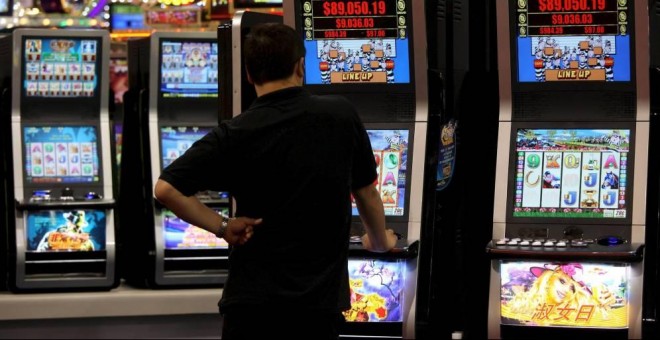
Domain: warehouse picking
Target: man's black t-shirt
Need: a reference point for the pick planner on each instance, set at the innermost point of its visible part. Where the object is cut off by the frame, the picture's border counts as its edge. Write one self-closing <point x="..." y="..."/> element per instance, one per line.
<point x="292" y="159"/>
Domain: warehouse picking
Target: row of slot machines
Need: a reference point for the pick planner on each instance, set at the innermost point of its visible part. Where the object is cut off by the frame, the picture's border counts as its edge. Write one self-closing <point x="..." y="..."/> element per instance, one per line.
<point x="78" y="211"/>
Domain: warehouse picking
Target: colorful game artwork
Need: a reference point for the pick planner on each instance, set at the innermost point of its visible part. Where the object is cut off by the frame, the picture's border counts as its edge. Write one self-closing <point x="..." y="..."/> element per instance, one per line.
<point x="189" y="69"/>
<point x="571" y="173"/>
<point x="376" y="290"/>
<point x="179" y="234"/>
<point x="567" y="294"/>
<point x="390" y="149"/>
<point x="54" y="65"/>
<point x="65" y="230"/>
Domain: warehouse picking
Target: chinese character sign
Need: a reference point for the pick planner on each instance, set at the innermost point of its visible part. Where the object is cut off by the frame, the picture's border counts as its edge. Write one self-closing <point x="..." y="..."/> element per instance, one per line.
<point x="564" y="294"/>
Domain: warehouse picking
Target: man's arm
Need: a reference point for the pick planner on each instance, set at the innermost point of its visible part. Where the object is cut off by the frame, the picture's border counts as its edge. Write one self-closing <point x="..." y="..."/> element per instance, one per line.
<point x="191" y="210"/>
<point x="370" y="206"/>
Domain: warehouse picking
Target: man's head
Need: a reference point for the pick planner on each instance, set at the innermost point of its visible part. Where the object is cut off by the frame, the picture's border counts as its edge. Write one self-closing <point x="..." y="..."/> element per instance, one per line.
<point x="272" y="52"/>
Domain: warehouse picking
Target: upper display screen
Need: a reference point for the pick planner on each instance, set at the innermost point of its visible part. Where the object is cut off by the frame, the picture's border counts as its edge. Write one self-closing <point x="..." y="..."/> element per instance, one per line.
<point x="188" y="69"/>
<point x="61" y="154"/>
<point x="356" y="42"/>
<point x="572" y="173"/>
<point x="573" y="40"/>
<point x="391" y="152"/>
<point x="60" y="67"/>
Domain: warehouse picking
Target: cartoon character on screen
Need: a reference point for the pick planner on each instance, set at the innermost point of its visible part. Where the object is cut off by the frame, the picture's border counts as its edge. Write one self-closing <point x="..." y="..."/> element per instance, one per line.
<point x="395" y="142"/>
<point x="559" y="290"/>
<point x="196" y="58"/>
<point x="69" y="236"/>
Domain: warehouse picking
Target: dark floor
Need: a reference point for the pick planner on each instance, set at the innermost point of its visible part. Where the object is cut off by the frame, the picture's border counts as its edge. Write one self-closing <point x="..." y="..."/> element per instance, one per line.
<point x="192" y="326"/>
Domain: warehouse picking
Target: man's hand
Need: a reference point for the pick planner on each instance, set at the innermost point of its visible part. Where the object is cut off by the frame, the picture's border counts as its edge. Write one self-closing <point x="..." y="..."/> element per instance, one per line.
<point x="240" y="229"/>
<point x="390" y="242"/>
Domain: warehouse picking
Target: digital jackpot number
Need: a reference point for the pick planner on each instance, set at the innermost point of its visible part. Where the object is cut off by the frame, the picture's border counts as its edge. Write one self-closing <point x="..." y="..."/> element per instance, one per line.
<point x="571" y="5"/>
<point x="354" y="8"/>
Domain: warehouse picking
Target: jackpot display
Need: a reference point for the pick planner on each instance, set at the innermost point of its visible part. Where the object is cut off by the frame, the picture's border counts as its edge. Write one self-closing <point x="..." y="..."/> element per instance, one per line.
<point x="390" y="149"/>
<point x="572" y="173"/>
<point x="356" y="42"/>
<point x="573" y="40"/>
<point x="175" y="140"/>
<point x="188" y="69"/>
<point x="564" y="294"/>
<point x="61" y="154"/>
<point x="65" y="230"/>
<point x="60" y="67"/>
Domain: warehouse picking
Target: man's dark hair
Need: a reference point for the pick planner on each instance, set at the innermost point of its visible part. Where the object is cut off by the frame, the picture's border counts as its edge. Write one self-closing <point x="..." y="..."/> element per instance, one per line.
<point x="271" y="51"/>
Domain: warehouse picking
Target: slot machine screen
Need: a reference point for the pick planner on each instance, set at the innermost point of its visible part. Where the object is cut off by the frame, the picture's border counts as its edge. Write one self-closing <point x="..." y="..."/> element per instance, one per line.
<point x="188" y="68"/>
<point x="390" y="147"/>
<point x="78" y="230"/>
<point x="61" y="154"/>
<point x="180" y="234"/>
<point x="572" y="173"/>
<point x="357" y="43"/>
<point x="64" y="67"/>
<point x="175" y="140"/>
<point x="572" y="41"/>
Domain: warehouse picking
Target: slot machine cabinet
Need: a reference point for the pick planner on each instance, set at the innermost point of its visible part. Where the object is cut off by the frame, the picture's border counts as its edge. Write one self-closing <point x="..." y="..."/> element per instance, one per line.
<point x="372" y="54"/>
<point x="60" y="199"/>
<point x="571" y="172"/>
<point x="651" y="297"/>
<point x="171" y="103"/>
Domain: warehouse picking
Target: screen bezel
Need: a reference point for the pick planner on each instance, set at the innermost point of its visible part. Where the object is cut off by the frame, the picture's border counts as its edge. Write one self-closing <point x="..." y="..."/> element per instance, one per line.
<point x="160" y="137"/>
<point x="76" y="104"/>
<point x="560" y="86"/>
<point x="511" y="176"/>
<point x="378" y="88"/>
<point x="410" y="127"/>
<point x="57" y="185"/>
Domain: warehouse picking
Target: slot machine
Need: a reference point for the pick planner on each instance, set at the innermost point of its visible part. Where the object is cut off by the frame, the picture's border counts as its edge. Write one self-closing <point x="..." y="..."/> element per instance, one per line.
<point x="371" y="53"/>
<point x="571" y="174"/>
<point x="60" y="203"/>
<point x="651" y="296"/>
<point x="5" y="107"/>
<point x="171" y="103"/>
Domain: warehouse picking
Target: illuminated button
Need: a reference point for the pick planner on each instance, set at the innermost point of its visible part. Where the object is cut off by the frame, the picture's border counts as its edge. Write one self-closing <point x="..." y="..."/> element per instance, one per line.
<point x="561" y="244"/>
<point x="549" y="244"/>
<point x="512" y="243"/>
<point x="524" y="243"/>
<point x="537" y="243"/>
<point x="501" y="242"/>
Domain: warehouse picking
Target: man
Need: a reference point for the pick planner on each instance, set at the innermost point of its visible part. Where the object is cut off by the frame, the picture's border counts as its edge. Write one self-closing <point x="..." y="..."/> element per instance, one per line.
<point x="291" y="162"/>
